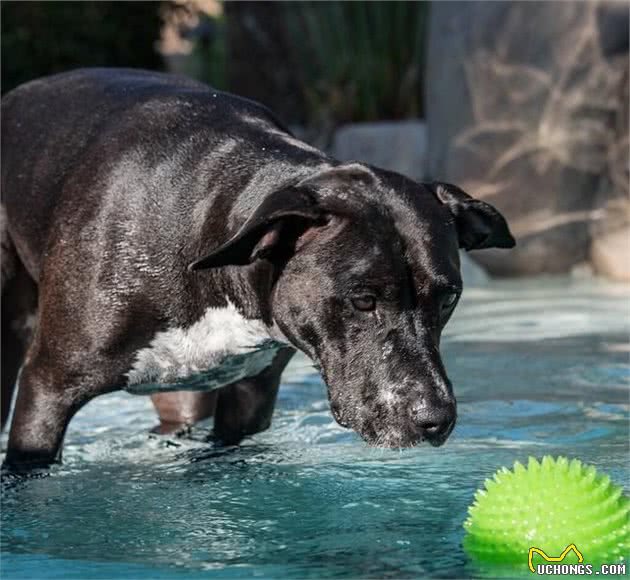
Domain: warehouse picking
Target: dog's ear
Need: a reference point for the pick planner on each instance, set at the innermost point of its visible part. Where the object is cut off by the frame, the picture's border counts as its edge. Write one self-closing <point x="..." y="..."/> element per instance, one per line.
<point x="479" y="225"/>
<point x="274" y="219"/>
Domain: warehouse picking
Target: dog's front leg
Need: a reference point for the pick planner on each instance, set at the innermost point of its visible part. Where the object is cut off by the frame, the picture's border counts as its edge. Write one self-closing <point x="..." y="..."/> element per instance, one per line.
<point x="245" y="407"/>
<point x="46" y="401"/>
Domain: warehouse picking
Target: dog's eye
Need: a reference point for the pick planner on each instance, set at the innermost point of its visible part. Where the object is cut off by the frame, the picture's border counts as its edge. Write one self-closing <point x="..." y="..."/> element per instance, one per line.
<point x="449" y="300"/>
<point x="365" y="303"/>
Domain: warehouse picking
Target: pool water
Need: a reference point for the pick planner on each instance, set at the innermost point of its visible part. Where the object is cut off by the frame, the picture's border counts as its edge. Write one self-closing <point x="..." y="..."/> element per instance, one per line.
<point x="539" y="367"/>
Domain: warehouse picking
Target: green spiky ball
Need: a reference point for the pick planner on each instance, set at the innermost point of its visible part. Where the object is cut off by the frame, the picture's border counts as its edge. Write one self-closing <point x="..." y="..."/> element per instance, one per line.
<point x="548" y="505"/>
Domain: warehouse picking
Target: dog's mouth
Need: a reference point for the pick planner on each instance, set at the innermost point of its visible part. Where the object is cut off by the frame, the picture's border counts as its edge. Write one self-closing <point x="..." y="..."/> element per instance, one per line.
<point x="392" y="437"/>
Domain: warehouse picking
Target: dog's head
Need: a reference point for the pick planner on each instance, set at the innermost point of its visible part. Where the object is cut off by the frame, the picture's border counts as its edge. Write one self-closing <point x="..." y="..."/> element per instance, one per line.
<point x="366" y="275"/>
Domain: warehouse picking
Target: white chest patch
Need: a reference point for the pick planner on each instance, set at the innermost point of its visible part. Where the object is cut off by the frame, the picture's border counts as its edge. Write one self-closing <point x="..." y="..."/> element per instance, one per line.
<point x="220" y="348"/>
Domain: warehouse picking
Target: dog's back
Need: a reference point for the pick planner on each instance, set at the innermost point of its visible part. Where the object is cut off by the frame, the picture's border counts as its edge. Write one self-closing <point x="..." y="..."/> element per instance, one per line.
<point x="62" y="129"/>
<point x="48" y="128"/>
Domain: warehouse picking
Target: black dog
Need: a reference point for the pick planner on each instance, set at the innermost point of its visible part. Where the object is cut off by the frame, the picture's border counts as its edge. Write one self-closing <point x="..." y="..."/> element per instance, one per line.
<point x="154" y="228"/>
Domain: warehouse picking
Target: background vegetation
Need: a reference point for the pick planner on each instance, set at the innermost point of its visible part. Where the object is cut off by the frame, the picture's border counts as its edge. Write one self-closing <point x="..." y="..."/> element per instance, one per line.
<point x="40" y="38"/>
<point x="359" y="61"/>
<point x="316" y="63"/>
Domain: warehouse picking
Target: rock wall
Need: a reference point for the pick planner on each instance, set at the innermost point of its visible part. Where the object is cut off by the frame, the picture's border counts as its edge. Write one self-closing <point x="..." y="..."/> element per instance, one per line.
<point x="527" y="108"/>
<point x="399" y="146"/>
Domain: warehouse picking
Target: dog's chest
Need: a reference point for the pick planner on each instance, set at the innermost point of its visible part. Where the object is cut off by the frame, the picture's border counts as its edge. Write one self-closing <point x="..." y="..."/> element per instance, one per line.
<point x="220" y="348"/>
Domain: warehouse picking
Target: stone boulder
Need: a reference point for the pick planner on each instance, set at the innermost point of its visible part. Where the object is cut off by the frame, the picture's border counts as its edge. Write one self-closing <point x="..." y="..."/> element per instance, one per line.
<point x="399" y="146"/>
<point x="610" y="254"/>
<point x="527" y="108"/>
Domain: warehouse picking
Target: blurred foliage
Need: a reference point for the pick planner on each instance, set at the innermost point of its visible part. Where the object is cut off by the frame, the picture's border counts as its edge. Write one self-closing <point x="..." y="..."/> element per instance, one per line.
<point x="359" y="61"/>
<point x="320" y="63"/>
<point x="208" y="61"/>
<point x="40" y="38"/>
<point x="316" y="63"/>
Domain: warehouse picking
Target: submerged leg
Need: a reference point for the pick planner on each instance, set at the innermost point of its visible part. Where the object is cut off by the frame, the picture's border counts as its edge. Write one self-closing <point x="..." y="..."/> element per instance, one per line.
<point x="180" y="409"/>
<point x="246" y="406"/>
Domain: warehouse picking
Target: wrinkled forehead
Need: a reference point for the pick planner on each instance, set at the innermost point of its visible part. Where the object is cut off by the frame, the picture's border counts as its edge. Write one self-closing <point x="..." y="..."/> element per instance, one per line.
<point x="406" y="231"/>
<point x="398" y="245"/>
<point x="369" y="243"/>
<point x="394" y="225"/>
<point x="428" y="233"/>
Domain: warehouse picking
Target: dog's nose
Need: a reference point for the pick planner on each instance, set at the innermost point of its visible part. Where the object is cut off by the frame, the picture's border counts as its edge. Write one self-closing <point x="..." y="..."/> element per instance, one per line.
<point x="435" y="420"/>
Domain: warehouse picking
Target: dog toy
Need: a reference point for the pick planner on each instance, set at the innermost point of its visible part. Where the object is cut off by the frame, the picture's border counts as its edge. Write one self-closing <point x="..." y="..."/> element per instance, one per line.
<point x="545" y="508"/>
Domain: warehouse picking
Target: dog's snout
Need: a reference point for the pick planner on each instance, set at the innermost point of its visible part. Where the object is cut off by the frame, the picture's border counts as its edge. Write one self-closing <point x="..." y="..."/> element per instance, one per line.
<point x="435" y="419"/>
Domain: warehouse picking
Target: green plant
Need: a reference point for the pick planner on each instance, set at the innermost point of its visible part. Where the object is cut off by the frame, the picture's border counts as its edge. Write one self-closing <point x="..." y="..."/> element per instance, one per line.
<point x="359" y="61"/>
<point x="208" y="61"/>
<point x="40" y="38"/>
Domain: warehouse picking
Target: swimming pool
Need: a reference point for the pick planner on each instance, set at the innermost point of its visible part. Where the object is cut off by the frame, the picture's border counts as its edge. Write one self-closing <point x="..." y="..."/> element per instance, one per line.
<point x="539" y="367"/>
